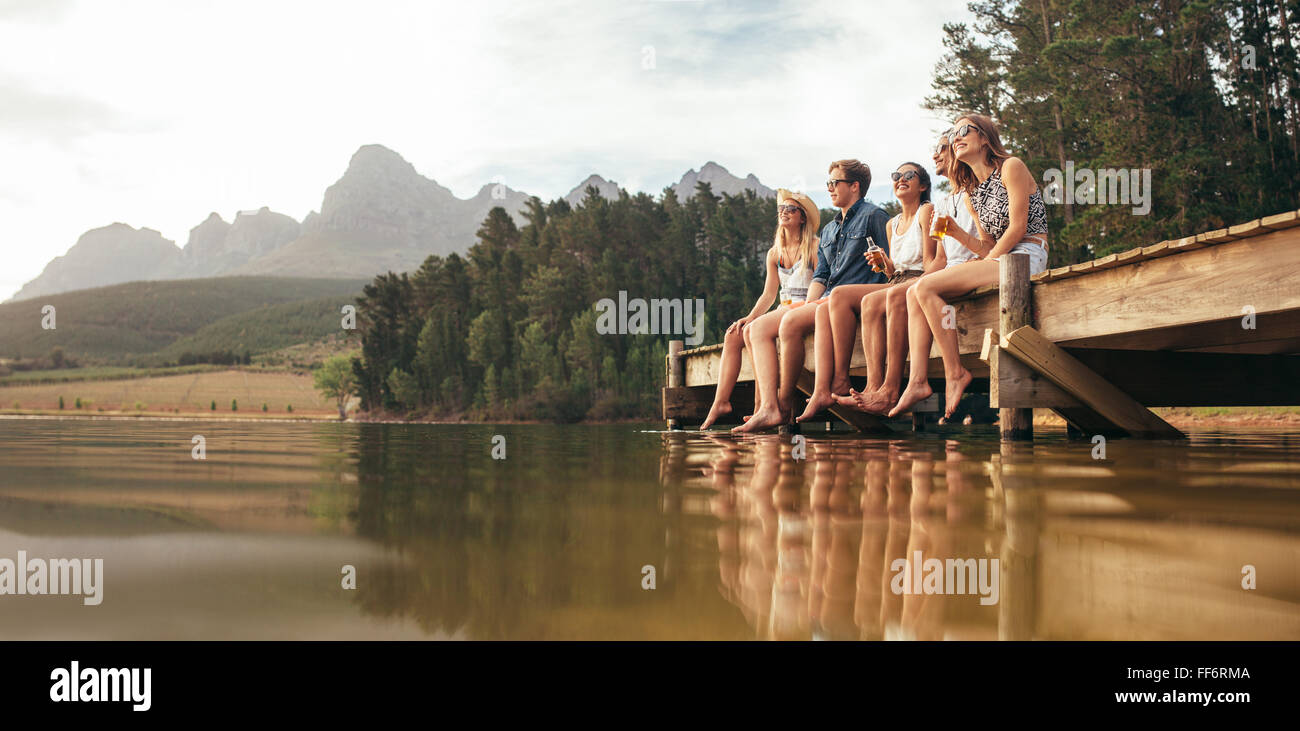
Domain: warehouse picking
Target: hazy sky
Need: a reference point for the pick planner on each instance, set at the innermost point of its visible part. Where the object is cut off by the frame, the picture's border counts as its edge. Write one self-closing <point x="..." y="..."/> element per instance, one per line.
<point x="155" y="113"/>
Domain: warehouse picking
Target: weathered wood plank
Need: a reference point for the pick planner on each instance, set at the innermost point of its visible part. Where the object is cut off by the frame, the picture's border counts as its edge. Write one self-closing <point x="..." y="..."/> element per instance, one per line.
<point x="1281" y="221"/>
<point x="1199" y="286"/>
<point x="1242" y="230"/>
<point x="1090" y="389"/>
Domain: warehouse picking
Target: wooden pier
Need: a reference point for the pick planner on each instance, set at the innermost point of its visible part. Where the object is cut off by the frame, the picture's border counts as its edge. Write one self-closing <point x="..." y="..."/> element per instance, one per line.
<point x="1206" y="320"/>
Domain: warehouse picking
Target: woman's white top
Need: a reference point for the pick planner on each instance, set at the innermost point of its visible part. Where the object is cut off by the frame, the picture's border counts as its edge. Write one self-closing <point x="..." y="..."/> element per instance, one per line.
<point x="955" y="206"/>
<point x="795" y="280"/>
<point x="905" y="248"/>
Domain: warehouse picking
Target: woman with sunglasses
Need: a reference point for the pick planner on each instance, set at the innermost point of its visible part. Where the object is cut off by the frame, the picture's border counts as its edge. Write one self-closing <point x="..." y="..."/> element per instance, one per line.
<point x="790" y="265"/>
<point x="883" y="307"/>
<point x="1011" y="218"/>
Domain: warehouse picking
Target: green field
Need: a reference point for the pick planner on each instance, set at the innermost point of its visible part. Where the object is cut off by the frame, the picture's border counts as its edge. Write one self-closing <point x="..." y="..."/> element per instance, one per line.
<point x="189" y="393"/>
<point x="116" y="325"/>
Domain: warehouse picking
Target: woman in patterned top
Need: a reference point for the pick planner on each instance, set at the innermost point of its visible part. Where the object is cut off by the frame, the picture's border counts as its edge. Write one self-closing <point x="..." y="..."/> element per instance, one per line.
<point x="1009" y="209"/>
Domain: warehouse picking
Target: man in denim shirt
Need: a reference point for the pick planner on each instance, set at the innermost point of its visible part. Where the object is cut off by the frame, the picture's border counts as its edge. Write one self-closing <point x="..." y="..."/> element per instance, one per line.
<point x="841" y="259"/>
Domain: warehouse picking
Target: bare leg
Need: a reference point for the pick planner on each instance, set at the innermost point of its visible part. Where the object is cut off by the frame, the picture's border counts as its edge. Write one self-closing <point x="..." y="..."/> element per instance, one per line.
<point x="728" y="372"/>
<point x="795" y="326"/>
<point x="763" y="334"/>
<point x="872" y="306"/>
<point x="824" y="344"/>
<point x="919" y="338"/>
<point x="845" y="302"/>
<point x="929" y="293"/>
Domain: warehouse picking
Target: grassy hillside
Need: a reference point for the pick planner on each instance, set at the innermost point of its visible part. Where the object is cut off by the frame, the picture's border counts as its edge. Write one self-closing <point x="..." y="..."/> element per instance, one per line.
<point x="265" y="329"/>
<point x="113" y="324"/>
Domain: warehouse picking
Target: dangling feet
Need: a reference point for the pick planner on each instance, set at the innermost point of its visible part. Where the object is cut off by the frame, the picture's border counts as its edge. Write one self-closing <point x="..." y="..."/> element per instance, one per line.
<point x="913" y="393"/>
<point x="957" y="384"/>
<point x="878" y="401"/>
<point x="720" y="409"/>
<point x="766" y="417"/>
<point x="816" y="402"/>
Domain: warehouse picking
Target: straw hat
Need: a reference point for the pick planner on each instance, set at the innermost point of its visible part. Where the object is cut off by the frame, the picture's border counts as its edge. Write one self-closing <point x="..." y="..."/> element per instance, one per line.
<point x="810" y="210"/>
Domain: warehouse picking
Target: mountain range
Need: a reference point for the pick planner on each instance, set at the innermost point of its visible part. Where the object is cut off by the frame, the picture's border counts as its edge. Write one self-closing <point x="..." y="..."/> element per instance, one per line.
<point x="381" y="215"/>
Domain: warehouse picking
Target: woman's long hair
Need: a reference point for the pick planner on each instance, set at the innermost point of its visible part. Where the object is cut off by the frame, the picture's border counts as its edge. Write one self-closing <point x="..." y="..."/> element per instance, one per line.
<point x="963" y="178"/>
<point x="808" y="241"/>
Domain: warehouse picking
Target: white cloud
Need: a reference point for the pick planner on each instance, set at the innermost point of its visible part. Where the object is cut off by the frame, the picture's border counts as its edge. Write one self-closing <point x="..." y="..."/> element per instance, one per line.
<point x="155" y="113"/>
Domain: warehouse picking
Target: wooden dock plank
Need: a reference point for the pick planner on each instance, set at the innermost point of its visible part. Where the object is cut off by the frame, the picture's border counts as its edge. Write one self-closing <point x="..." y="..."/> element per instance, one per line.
<point x="1281" y="220"/>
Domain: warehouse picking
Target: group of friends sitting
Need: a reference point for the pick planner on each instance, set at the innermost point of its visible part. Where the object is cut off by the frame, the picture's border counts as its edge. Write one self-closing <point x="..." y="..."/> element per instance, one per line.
<point x="891" y="277"/>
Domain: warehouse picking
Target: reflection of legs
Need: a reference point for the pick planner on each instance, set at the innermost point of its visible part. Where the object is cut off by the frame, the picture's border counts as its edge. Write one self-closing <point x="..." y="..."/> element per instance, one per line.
<point x="824" y="344"/>
<point x="762" y="335"/>
<point x="929" y="293"/>
<point x="871" y="554"/>
<point x="728" y="372"/>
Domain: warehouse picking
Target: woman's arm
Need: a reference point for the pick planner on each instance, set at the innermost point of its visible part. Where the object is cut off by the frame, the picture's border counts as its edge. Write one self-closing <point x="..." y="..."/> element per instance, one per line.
<point x="1020" y="185"/>
<point x="928" y="245"/>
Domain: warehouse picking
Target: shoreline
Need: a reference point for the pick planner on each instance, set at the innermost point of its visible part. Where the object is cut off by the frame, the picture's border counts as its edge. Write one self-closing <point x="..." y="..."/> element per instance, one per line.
<point x="1044" y="419"/>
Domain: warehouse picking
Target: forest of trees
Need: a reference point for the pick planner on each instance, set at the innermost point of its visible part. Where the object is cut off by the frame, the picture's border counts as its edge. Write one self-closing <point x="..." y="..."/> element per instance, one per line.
<point x="509" y="331"/>
<point x="1204" y="93"/>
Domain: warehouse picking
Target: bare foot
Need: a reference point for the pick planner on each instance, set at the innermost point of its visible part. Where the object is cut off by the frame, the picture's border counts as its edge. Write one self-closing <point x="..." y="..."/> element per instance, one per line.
<point x="913" y="393"/>
<point x="765" y="418"/>
<point x="816" y="403"/>
<point x="840" y="387"/>
<point x="879" y="402"/>
<point x="953" y="391"/>
<point x="718" y="410"/>
<point x="853" y="400"/>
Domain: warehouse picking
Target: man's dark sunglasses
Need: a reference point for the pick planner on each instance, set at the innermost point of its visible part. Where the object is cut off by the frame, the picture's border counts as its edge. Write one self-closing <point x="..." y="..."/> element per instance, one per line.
<point x="830" y="184"/>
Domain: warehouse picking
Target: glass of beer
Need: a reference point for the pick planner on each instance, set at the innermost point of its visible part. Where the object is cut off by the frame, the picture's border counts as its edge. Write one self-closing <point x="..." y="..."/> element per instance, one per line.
<point x="940" y="228"/>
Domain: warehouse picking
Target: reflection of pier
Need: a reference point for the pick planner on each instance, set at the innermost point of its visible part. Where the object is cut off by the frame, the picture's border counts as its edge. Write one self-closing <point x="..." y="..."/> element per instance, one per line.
<point x="805" y="547"/>
<point x="1206" y="320"/>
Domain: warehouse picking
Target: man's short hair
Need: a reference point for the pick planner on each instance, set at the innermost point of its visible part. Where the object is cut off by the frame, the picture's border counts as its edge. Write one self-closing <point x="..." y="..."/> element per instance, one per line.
<point x="855" y="171"/>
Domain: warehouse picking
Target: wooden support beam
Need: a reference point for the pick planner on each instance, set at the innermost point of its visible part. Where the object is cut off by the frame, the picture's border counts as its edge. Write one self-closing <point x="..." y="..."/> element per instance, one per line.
<point x="1081" y="382"/>
<point x="1018" y="386"/>
<point x="866" y="423"/>
<point x="675" y="375"/>
<point x="1015" y="311"/>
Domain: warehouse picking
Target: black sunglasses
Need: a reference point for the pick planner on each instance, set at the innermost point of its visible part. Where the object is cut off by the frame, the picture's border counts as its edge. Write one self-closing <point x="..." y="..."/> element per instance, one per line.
<point x="909" y="175"/>
<point x="961" y="131"/>
<point x="830" y="184"/>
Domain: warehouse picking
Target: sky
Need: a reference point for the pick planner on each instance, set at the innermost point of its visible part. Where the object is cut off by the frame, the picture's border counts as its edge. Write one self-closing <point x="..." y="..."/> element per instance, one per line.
<point x="156" y="113"/>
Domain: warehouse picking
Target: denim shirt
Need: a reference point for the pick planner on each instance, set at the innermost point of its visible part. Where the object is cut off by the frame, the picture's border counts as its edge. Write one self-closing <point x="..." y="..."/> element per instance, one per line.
<point x="840" y="257"/>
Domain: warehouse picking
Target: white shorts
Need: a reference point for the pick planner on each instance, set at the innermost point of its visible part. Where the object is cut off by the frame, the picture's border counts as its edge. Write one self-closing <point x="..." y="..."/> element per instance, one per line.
<point x="1037" y="255"/>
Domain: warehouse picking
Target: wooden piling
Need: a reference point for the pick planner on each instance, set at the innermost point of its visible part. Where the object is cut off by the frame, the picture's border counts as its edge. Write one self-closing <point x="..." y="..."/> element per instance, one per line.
<point x="675" y="368"/>
<point x="1015" y="310"/>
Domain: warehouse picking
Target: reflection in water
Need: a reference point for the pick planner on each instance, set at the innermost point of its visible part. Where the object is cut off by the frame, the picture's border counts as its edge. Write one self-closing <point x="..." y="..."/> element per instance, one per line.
<point x="1151" y="544"/>
<point x="555" y="542"/>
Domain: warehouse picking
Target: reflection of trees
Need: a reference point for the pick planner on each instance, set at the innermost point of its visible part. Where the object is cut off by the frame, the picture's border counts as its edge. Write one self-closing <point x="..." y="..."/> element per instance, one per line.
<point x="494" y="549"/>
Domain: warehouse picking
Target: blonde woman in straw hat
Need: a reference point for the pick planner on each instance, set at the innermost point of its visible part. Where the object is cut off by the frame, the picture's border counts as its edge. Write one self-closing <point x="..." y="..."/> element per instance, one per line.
<point x="790" y="265"/>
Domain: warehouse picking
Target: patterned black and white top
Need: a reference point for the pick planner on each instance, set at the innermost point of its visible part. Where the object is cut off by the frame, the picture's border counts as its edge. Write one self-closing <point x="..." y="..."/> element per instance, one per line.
<point x="991" y="203"/>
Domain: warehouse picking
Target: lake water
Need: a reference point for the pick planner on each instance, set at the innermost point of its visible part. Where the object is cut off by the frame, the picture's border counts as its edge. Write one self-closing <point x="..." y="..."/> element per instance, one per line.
<point x="761" y="538"/>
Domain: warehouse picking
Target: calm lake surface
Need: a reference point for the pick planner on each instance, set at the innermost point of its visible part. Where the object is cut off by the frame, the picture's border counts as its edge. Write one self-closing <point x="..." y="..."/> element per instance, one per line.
<point x="753" y="538"/>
